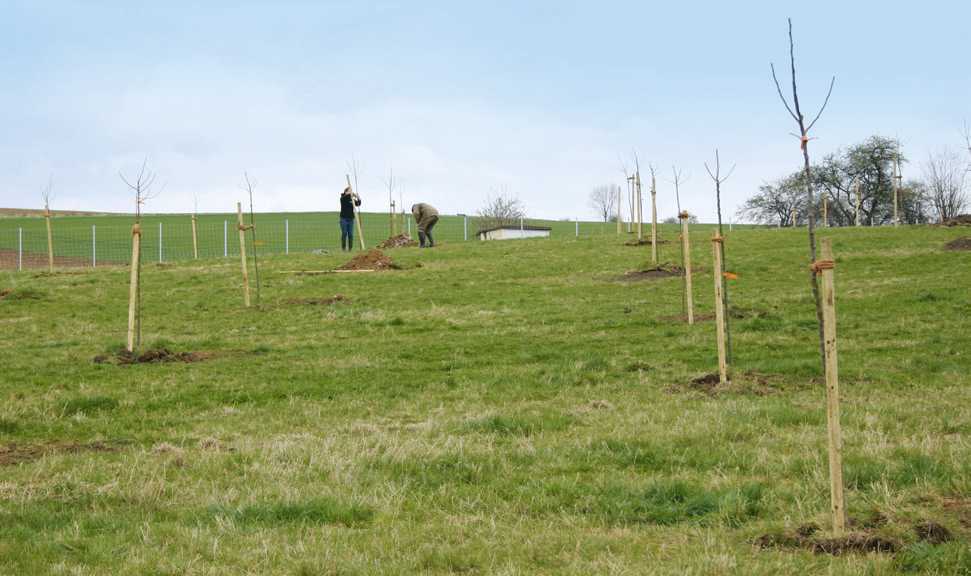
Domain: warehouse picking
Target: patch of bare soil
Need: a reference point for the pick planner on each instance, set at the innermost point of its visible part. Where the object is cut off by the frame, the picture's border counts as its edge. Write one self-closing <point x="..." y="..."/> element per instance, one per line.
<point x="371" y="260"/>
<point x="5" y="292"/>
<point x="664" y="271"/>
<point x="961" y="507"/>
<point x="645" y="242"/>
<point x="959" y="220"/>
<point x="13" y="453"/>
<point x="959" y="244"/>
<point x="318" y="301"/>
<point x="8" y="261"/>
<point x="932" y="532"/>
<point x="750" y="383"/>
<point x="682" y="318"/>
<point x="399" y="241"/>
<point x="151" y="356"/>
<point x="806" y="537"/>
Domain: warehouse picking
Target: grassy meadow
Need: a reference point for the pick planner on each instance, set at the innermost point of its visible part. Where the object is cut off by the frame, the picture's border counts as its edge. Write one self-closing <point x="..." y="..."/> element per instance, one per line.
<point x="490" y="408"/>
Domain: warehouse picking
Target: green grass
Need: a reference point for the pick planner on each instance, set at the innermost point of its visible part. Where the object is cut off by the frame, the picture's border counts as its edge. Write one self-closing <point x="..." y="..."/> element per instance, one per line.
<point x="503" y="408"/>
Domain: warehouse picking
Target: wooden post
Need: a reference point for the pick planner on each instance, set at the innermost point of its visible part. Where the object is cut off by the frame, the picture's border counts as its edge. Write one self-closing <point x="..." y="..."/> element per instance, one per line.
<point x="686" y="245"/>
<point x="825" y="268"/>
<point x="357" y="215"/>
<point x="136" y="238"/>
<point x="716" y="242"/>
<point x="195" y="239"/>
<point x="391" y="221"/>
<point x="639" y="207"/>
<point x="896" y="190"/>
<point x="242" y="252"/>
<point x="50" y="241"/>
<point x="653" y="219"/>
<point x="857" y="202"/>
<point x="825" y="213"/>
<point x="619" y="200"/>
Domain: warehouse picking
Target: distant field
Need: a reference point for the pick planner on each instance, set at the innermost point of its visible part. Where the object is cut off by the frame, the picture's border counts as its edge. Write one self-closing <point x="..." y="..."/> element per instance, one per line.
<point x="511" y="408"/>
<point x="308" y="231"/>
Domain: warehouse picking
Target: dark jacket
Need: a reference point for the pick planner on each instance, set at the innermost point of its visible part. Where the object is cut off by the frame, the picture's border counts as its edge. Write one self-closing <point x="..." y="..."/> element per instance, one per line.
<point x="425" y="215"/>
<point x="348" y="203"/>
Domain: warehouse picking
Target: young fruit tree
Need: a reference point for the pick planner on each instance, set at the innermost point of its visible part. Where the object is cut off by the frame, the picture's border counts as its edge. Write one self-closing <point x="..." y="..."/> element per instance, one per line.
<point x="142" y="186"/>
<point x="47" y="195"/>
<point x="827" y="333"/>
<point x="718" y="179"/>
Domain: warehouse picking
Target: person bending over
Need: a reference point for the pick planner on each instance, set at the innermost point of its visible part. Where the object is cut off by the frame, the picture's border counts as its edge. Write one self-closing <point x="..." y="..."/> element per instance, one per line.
<point x="348" y="201"/>
<point x="426" y="217"/>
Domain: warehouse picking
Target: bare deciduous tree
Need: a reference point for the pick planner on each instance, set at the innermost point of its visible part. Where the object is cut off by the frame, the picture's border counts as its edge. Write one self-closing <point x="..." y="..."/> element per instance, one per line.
<point x="500" y="209"/>
<point x="945" y="180"/>
<point x="142" y="185"/>
<point x="718" y="179"/>
<point x="603" y="200"/>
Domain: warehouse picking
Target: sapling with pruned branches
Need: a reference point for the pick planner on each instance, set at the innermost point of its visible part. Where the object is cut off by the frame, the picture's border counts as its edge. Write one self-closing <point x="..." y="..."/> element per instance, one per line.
<point x="795" y="111"/>
<point x="718" y="179"/>
<point x="47" y="194"/>
<point x="142" y="185"/>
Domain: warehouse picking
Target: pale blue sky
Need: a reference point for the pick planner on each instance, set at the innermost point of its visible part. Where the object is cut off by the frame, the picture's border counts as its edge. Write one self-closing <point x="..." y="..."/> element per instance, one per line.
<point x="537" y="98"/>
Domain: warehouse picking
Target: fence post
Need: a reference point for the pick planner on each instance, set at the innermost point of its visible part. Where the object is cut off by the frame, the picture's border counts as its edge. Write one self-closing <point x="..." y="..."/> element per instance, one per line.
<point x="286" y="236"/>
<point x="578" y="227"/>
<point x="195" y="239"/>
<point x="159" y="241"/>
<point x="465" y="227"/>
<point x="50" y="241"/>
<point x="716" y="241"/>
<point x="686" y="244"/>
<point x="94" y="247"/>
<point x="20" y="249"/>
<point x="825" y="268"/>
<point x="225" y="238"/>
<point x="521" y="228"/>
<point x="242" y="252"/>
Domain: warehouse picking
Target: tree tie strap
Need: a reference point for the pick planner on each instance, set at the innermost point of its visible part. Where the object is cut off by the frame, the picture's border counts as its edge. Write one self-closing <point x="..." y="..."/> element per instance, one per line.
<point x="820" y="265"/>
<point x="684" y="215"/>
<point x="136" y="230"/>
<point x="803" y="141"/>
<point x="718" y="239"/>
<point x="244" y="227"/>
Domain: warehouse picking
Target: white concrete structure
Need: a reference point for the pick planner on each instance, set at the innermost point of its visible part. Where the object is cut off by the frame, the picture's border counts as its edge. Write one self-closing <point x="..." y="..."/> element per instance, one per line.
<point x="514" y="232"/>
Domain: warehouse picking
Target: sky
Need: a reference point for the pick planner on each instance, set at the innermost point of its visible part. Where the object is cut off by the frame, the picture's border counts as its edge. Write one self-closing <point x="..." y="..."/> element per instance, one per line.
<point x="461" y="100"/>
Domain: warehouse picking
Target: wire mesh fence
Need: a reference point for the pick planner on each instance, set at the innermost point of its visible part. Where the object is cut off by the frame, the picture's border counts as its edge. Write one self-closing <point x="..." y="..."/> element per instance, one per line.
<point x="92" y="241"/>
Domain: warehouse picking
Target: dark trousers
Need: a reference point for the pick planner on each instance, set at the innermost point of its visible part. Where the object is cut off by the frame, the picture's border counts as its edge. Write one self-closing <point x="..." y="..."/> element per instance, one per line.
<point x="425" y="232"/>
<point x="347" y="233"/>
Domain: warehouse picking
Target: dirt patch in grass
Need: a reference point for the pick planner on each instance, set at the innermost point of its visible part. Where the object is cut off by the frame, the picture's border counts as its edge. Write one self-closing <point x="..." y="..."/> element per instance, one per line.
<point x="932" y="533"/>
<point x="13" y="453"/>
<point x="750" y="383"/>
<point x="371" y="260"/>
<point x="806" y="537"/>
<point x="5" y="292"/>
<point x="681" y="318"/>
<point x="399" y="241"/>
<point x="652" y="273"/>
<point x="959" y="244"/>
<point x="151" y="356"/>
<point x="644" y="242"/>
<point x="318" y="301"/>
<point x="960" y="507"/>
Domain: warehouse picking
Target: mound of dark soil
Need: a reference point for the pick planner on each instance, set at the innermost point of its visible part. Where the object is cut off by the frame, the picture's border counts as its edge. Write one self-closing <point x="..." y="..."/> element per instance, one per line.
<point x="805" y="537"/>
<point x="933" y="533"/>
<point x="151" y="356"/>
<point x="12" y="454"/>
<point x="371" y="260"/>
<point x="959" y="220"/>
<point x="5" y="292"/>
<point x="644" y="242"/>
<point x="959" y="244"/>
<point x="665" y="271"/>
<point x="399" y="241"/>
<point x="749" y="383"/>
<point x="319" y="301"/>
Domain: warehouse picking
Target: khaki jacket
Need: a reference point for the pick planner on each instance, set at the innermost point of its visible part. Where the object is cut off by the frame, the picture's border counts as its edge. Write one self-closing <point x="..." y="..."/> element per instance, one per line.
<point x="425" y="215"/>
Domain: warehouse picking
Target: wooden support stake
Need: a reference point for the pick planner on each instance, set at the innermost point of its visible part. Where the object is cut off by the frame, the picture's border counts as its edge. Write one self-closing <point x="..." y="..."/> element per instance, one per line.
<point x="357" y="215"/>
<point x="50" y="242"/>
<point x="825" y="213"/>
<point x="640" y="207"/>
<point x="653" y="219"/>
<point x="716" y="242"/>
<point x="619" y="220"/>
<point x="136" y="238"/>
<point x="825" y="268"/>
<point x="195" y="240"/>
<point x="858" y="203"/>
<point x="686" y="244"/>
<point x="242" y="252"/>
<point x="896" y="190"/>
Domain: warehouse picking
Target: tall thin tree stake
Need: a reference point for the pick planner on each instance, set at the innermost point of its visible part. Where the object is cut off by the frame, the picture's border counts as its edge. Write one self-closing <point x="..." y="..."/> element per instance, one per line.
<point x="686" y="247"/>
<point x="825" y="214"/>
<point x="242" y="252"/>
<point x="357" y="214"/>
<point x="719" y="180"/>
<point x="896" y="187"/>
<point x="640" y="204"/>
<point x="252" y="227"/>
<point x="825" y="268"/>
<point x="136" y="238"/>
<point x="653" y="217"/>
<point x="47" y="219"/>
<point x="619" y="200"/>
<point x="716" y="242"/>
<point x="195" y="239"/>
<point x="858" y="201"/>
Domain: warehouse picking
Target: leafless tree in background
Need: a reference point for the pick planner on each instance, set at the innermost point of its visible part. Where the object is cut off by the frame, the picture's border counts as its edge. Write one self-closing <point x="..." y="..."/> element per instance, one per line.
<point x="603" y="200"/>
<point x="796" y="112"/>
<point x="945" y="179"/>
<point x="501" y="209"/>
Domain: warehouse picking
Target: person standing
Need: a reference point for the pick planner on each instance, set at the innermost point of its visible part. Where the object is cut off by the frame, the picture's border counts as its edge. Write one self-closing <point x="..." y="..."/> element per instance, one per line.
<point x="348" y="201"/>
<point x="426" y="216"/>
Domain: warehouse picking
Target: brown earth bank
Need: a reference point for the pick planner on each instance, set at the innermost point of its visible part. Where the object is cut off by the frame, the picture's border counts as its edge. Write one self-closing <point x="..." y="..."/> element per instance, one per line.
<point x="960" y="244"/>
<point x="399" y="241"/>
<point x="959" y="220"/>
